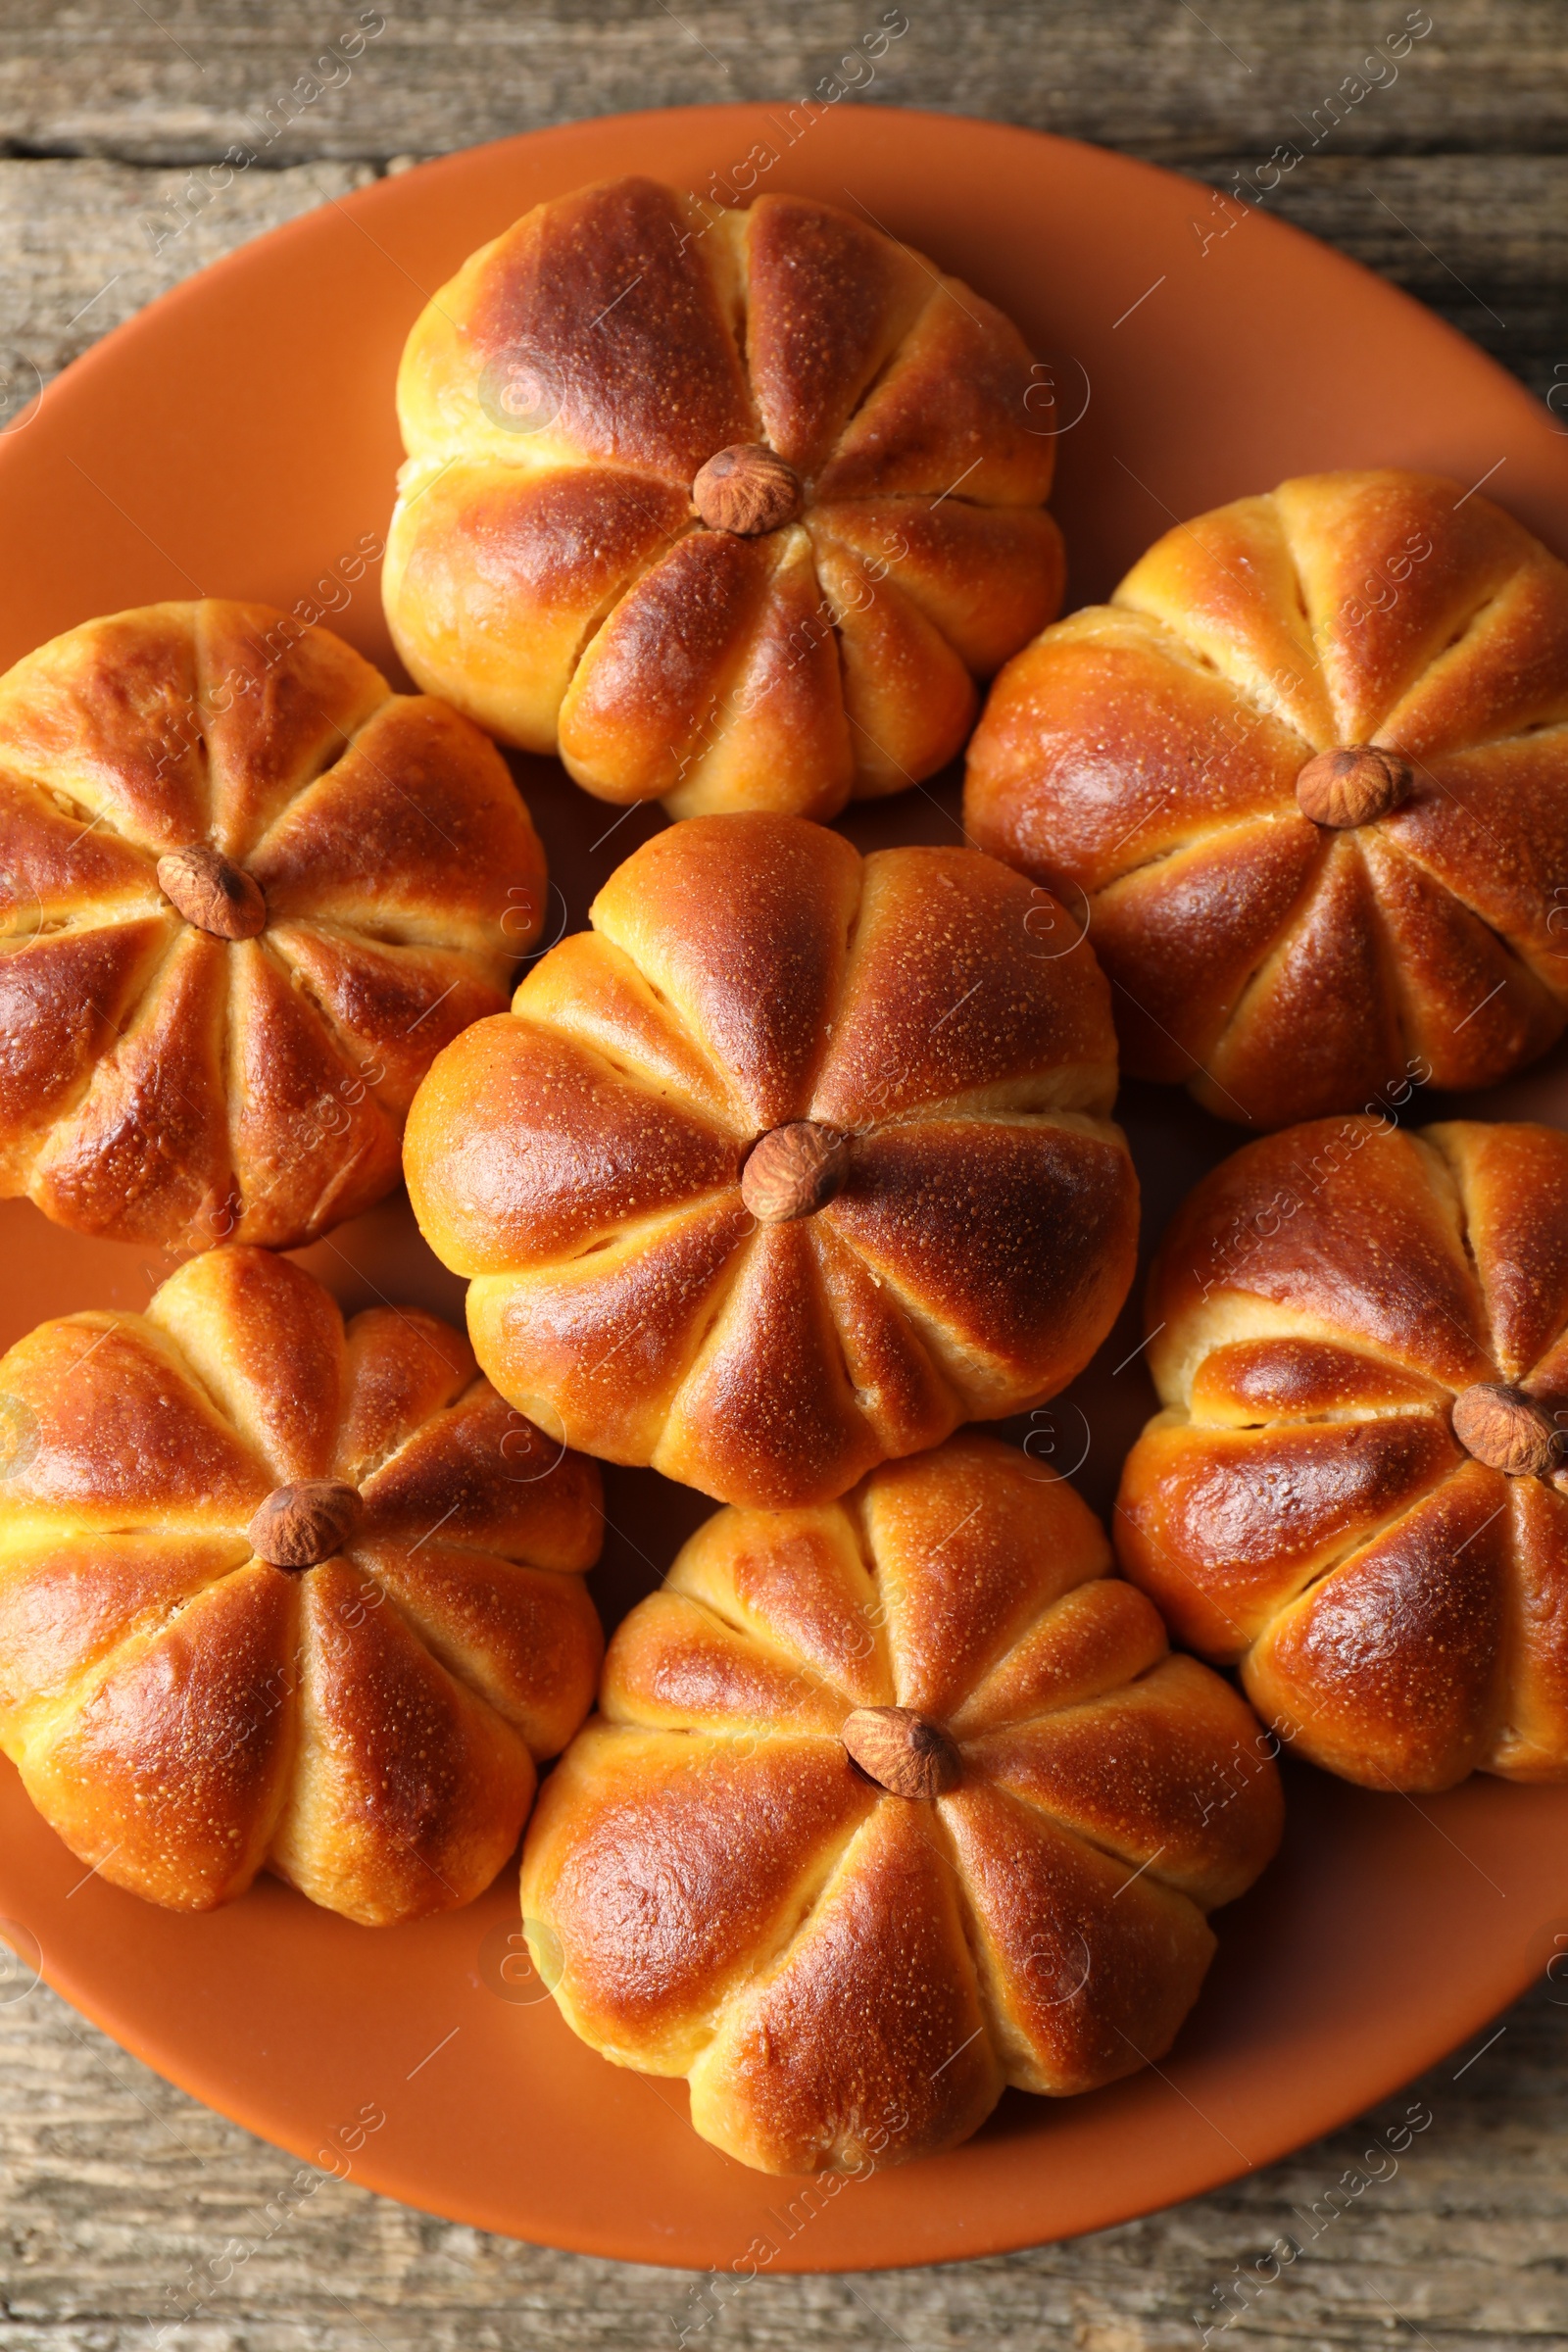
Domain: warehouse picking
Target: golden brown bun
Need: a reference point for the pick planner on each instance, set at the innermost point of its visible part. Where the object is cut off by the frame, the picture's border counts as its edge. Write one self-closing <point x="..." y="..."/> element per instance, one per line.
<point x="547" y="568"/>
<point x="160" y="1082"/>
<point x="580" y="1159"/>
<point x="845" y="1975"/>
<point x="1146" y="754"/>
<point x="184" y="1714"/>
<point x="1399" y="1608"/>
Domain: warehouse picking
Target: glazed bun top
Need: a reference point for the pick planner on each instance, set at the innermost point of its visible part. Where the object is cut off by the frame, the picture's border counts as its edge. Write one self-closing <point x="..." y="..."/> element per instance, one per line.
<point x="1311" y="767"/>
<point x="794" y="1162"/>
<point x="733" y="508"/>
<point x="246" y="893"/>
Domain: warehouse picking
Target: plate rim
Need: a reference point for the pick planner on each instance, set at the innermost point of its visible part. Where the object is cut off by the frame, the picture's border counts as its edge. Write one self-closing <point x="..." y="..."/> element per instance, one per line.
<point x="389" y="2178"/>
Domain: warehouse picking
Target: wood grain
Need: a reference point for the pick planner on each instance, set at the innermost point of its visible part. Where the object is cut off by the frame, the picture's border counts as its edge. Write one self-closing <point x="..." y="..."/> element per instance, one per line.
<point x="1450" y="178"/>
<point x="1446" y="167"/>
<point x="123" y="2199"/>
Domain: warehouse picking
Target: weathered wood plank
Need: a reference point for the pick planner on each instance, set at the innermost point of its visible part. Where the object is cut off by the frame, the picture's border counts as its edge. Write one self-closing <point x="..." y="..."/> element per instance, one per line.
<point x="86" y="243"/>
<point x="1479" y="238"/>
<point x="118" y="2192"/>
<point x="181" y="79"/>
<point x="1451" y="177"/>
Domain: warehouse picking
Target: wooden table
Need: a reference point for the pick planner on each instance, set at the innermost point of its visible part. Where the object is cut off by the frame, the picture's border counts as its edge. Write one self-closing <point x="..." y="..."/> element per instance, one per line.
<point x="1451" y="178"/>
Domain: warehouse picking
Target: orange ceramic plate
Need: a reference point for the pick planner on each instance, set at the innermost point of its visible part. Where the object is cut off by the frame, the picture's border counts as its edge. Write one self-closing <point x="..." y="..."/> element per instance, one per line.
<point x="239" y="439"/>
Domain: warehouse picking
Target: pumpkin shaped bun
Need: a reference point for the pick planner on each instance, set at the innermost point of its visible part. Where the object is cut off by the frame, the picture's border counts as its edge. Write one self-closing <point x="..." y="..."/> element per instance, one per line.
<point x="732" y="509"/>
<point x="1309" y="770"/>
<point x="1356" y="1490"/>
<point x="793" y="1163"/>
<point x="246" y="894"/>
<point x="891" y="1804"/>
<point x="280" y="1595"/>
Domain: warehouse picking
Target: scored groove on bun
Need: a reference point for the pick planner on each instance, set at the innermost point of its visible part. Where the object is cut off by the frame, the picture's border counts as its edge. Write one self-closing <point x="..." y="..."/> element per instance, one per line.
<point x="1311" y="767"/>
<point x="716" y="1885"/>
<point x="246" y="894"/>
<point x="1356" y="1489"/>
<point x="957" y="1249"/>
<point x="732" y="509"/>
<point x="364" y="1719"/>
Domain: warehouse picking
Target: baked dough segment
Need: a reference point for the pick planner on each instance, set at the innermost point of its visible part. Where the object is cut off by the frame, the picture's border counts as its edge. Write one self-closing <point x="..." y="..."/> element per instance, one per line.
<point x="108" y="716"/>
<point x="799" y="1585"/>
<point x="1112" y="742"/>
<point x="1187" y="1750"/>
<point x="1494" y="833"/>
<point x="1085" y="1971"/>
<point x="503" y="571"/>
<point x="892" y="1364"/>
<point x="145" y="1152"/>
<point x="1444" y="556"/>
<point x="1089" y="1640"/>
<point x="1504" y="676"/>
<point x="546" y="569"/>
<point x="581" y="1160"/>
<point x="489" y="1479"/>
<point x="310" y="1143"/>
<point x="687" y="1667"/>
<point x="1224" y="1527"/>
<point x="1360" y="608"/>
<point x="1228" y="587"/>
<point x="956" y="997"/>
<point x="1514" y="1182"/>
<point x="163" y="1084"/>
<point x="1286" y="1378"/>
<point x="553" y="1149"/>
<point x="166" y="1772"/>
<point x="829" y="302"/>
<point x="768" y="1411"/>
<point x="743" y="923"/>
<point x="649" y="688"/>
<point x="66" y="1604"/>
<point x="713" y="1889"/>
<point x="869" y="2031"/>
<point x="55" y="854"/>
<point x="595" y="1348"/>
<point x="415" y="833"/>
<point x="277" y="707"/>
<point x="592" y="991"/>
<point x="664" y="1869"/>
<point x="908" y="700"/>
<point x="478" y="1527"/>
<point x="387" y="1008"/>
<point x="106" y="1396"/>
<point x="1173" y="1008"/>
<point x="1393" y="1663"/>
<point x="947" y="416"/>
<point x="527" y="1640"/>
<point x="714" y="676"/>
<point x="266" y="1342"/>
<point x="1398" y="1607"/>
<point x="185" y="1714"/>
<point x="1347" y="1230"/>
<point x="65" y="997"/>
<point x="784" y="705"/>
<point x="400" y="1367"/>
<point x="627" y="312"/>
<point x="408" y="1791"/>
<point x="972" y="1545"/>
<point x="1481" y="1008"/>
<point x="1319" y="1019"/>
<point x="1534" y="1735"/>
<point x="987" y="578"/>
<point x="1008" y="1243"/>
